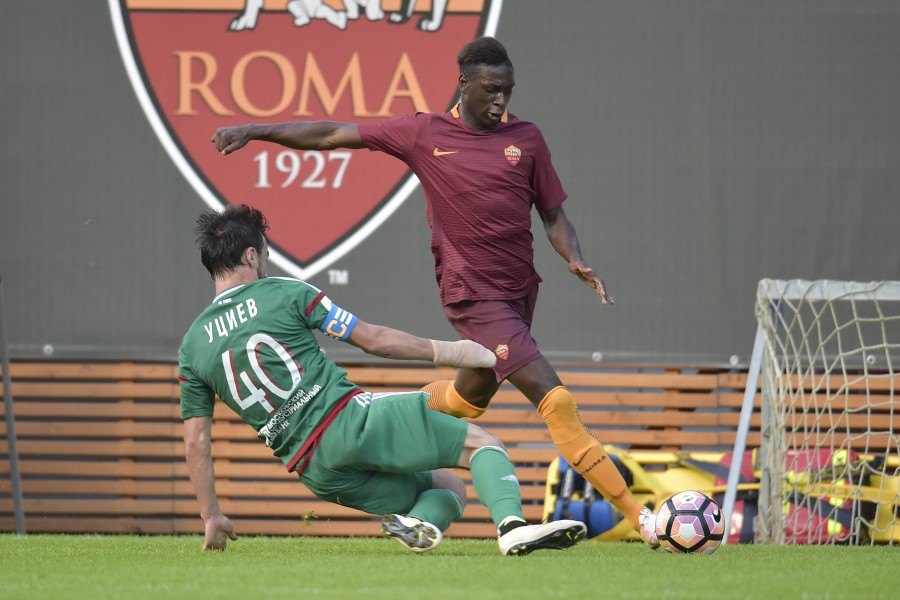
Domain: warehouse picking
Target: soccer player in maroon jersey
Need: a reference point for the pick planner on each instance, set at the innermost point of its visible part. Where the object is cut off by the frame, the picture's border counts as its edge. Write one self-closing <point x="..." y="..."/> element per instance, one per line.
<point x="482" y="170"/>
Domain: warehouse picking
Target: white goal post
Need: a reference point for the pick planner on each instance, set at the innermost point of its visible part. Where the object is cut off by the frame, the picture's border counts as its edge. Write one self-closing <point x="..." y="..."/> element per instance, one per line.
<point x="827" y="357"/>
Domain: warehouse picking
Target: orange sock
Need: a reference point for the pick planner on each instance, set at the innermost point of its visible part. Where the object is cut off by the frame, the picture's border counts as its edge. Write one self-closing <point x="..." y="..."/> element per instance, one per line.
<point x="437" y="391"/>
<point x="444" y="398"/>
<point x="585" y="454"/>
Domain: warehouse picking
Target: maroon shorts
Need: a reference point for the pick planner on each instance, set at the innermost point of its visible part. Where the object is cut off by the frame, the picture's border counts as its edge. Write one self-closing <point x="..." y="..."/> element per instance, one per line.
<point x="503" y="326"/>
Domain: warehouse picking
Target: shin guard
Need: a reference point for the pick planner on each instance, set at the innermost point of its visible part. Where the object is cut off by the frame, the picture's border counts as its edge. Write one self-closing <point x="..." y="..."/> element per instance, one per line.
<point x="584" y="453"/>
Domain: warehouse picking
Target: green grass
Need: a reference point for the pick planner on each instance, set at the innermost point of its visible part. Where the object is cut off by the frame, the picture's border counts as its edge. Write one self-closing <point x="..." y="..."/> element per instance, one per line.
<point x="133" y="568"/>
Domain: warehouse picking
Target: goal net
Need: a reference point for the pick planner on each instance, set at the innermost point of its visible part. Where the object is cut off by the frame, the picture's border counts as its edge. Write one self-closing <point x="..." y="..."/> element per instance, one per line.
<point x="829" y="460"/>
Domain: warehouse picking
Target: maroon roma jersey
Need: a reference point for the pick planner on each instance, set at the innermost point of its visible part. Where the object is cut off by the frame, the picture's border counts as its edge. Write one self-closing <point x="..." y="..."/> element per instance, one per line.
<point x="480" y="187"/>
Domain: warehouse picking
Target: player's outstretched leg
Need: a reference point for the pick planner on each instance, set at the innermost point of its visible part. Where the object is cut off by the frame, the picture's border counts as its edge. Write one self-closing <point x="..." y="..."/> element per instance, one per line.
<point x="647" y="519"/>
<point x="589" y="458"/>
<point x="556" y="535"/>
<point x="418" y="536"/>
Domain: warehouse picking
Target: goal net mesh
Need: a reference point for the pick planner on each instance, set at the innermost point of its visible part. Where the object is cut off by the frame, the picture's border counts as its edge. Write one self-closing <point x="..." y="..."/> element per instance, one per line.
<point x="829" y="459"/>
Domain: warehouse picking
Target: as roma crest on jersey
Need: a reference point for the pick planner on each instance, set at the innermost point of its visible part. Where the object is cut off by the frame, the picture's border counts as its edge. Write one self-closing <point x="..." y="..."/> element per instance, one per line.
<point x="201" y="64"/>
<point x="513" y="154"/>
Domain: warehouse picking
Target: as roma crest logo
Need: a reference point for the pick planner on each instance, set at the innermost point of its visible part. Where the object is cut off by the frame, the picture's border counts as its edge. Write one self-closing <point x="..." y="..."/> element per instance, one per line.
<point x="513" y="154"/>
<point x="201" y="64"/>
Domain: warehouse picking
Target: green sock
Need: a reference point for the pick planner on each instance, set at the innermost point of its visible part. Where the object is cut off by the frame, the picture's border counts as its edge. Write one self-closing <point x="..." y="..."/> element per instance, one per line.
<point x="496" y="484"/>
<point x="439" y="507"/>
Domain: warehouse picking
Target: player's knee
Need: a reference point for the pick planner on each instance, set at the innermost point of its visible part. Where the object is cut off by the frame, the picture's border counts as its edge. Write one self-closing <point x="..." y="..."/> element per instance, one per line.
<point x="479" y="438"/>
<point x="446" y="480"/>
<point x="558" y="403"/>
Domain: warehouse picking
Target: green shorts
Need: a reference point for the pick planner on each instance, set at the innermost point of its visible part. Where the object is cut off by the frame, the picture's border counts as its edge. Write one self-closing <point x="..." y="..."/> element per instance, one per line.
<point x="377" y="456"/>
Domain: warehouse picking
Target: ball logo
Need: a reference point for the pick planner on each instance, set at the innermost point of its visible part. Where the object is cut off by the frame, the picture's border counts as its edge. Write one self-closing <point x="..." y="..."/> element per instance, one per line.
<point x="197" y="65"/>
<point x="502" y="352"/>
<point x="513" y="155"/>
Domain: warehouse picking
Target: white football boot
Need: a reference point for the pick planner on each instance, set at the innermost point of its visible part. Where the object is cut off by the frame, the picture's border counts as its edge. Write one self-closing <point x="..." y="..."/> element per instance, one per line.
<point x="647" y="520"/>
<point x="555" y="535"/>
<point x="418" y="536"/>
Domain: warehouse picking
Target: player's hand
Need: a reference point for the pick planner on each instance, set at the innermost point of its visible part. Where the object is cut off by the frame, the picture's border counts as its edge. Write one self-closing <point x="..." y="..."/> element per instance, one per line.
<point x="587" y="275"/>
<point x="230" y="139"/>
<point x="218" y="531"/>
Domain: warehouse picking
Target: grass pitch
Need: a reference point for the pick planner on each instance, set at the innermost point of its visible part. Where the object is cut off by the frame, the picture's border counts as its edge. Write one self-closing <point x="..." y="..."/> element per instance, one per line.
<point x="135" y="567"/>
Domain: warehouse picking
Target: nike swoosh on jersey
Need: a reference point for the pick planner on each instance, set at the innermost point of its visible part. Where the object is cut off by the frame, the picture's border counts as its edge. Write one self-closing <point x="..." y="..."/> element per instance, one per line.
<point x="443" y="152"/>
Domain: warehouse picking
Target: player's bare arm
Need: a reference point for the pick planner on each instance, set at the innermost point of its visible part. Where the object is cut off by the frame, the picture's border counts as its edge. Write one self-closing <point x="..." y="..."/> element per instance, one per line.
<point x="299" y="135"/>
<point x="393" y="343"/>
<point x="198" y="452"/>
<point x="564" y="240"/>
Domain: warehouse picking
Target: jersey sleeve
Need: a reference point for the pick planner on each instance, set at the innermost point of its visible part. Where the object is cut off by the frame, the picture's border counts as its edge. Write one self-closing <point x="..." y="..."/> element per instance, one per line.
<point x="197" y="398"/>
<point x="549" y="192"/>
<point x="396" y="136"/>
<point x="322" y="314"/>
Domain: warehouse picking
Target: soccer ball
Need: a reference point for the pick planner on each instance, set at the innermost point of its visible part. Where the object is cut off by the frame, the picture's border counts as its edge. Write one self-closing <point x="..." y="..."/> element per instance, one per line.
<point x="690" y="522"/>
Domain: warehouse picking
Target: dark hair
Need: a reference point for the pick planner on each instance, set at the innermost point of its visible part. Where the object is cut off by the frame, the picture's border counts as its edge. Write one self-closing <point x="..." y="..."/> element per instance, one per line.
<point x="482" y="52"/>
<point x="223" y="236"/>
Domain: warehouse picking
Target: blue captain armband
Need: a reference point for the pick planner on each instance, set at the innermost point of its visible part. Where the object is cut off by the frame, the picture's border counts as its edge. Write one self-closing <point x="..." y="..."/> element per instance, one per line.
<point x="339" y="323"/>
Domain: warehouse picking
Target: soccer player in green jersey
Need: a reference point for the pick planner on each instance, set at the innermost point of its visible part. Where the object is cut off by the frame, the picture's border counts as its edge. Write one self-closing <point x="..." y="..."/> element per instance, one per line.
<point x="483" y="170"/>
<point x="254" y="347"/>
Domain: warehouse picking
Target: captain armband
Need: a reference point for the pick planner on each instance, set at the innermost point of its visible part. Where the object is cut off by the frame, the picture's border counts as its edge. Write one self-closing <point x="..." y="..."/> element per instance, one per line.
<point x="339" y="323"/>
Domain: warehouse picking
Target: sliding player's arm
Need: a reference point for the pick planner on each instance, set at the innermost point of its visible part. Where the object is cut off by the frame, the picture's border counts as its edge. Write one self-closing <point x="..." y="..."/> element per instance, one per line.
<point x="393" y="343"/>
<point x="386" y="342"/>
<point x="562" y="236"/>
<point x="198" y="453"/>
<point x="299" y="135"/>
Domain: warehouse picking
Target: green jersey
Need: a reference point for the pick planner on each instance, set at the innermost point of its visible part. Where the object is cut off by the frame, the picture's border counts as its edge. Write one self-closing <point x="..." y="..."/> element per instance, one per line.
<point x="254" y="348"/>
